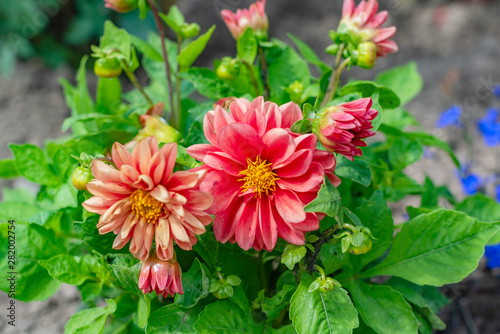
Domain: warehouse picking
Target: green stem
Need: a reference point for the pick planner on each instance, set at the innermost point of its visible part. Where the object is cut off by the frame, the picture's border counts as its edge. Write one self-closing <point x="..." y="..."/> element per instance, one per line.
<point x="131" y="76"/>
<point x="262" y="273"/>
<point x="252" y="76"/>
<point x="174" y="117"/>
<point x="334" y="78"/>
<point x="263" y="73"/>
<point x="178" y="86"/>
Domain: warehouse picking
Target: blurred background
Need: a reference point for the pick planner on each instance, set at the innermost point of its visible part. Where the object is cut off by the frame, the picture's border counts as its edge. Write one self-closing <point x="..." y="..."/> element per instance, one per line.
<point x="456" y="45"/>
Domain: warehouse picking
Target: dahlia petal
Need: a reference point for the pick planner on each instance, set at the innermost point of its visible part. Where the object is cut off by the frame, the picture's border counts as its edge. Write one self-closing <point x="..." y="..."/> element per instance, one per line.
<point x="377" y="20"/>
<point x="267" y="224"/>
<point x="239" y="108"/>
<point x="199" y="151"/>
<point x="245" y="230"/>
<point x="289" y="206"/>
<point x="156" y="167"/>
<point x="348" y="8"/>
<point x="362" y="104"/>
<point x="141" y="154"/>
<point x="256" y="120"/>
<point x="222" y="187"/>
<point x="178" y="231"/>
<point x="306" y="142"/>
<point x="273" y="116"/>
<point x="240" y="141"/>
<point x="144" y="182"/>
<point x="286" y="232"/>
<point x="198" y="200"/>
<point x="98" y="205"/>
<point x="384" y="34"/>
<point x="105" y="173"/>
<point x="192" y="223"/>
<point x="169" y="154"/>
<point x="224" y="221"/>
<point x="208" y="129"/>
<point x="108" y="190"/>
<point x="121" y="156"/>
<point x="223" y="162"/>
<point x="311" y="223"/>
<point x="291" y="113"/>
<point x="129" y="225"/>
<point x="160" y="193"/>
<point x="129" y="174"/>
<point x="278" y="146"/>
<point x="296" y="165"/>
<point x="309" y="181"/>
<point x="118" y="243"/>
<point x="182" y="180"/>
<point x="221" y="118"/>
<point x="386" y="47"/>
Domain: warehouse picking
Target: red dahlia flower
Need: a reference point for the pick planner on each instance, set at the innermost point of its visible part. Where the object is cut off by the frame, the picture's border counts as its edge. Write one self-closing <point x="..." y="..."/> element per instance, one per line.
<point x="163" y="277"/>
<point x="255" y="18"/>
<point x="143" y="199"/>
<point x="341" y="128"/>
<point x="364" y="21"/>
<point x="260" y="173"/>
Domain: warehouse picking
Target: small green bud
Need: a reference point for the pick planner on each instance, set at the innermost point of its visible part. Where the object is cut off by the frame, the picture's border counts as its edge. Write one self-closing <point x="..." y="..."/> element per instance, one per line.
<point x="295" y="91"/>
<point x="332" y="49"/>
<point x="81" y="176"/>
<point x="107" y="68"/>
<point x="228" y="69"/>
<point x="190" y="30"/>
<point x="367" y="55"/>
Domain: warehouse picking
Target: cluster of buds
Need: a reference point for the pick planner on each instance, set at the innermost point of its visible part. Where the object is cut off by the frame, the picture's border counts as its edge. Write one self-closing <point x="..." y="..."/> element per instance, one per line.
<point x="223" y="287"/>
<point x="355" y="239"/>
<point x="323" y="283"/>
<point x="255" y="18"/>
<point x="360" y="34"/>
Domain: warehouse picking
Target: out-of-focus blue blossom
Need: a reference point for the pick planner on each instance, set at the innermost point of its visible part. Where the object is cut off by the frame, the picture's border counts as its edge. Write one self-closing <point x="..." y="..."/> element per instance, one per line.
<point x="470" y="182"/>
<point x="496" y="91"/>
<point x="489" y="126"/>
<point x="450" y="117"/>
<point x="497" y="193"/>
<point x="428" y="153"/>
<point x="492" y="254"/>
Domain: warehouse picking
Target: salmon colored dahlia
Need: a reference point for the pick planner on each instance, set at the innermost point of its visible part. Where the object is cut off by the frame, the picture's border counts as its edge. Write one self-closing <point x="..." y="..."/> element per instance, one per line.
<point x="255" y="17"/>
<point x="142" y="199"/>
<point x="342" y="128"/>
<point x="260" y="173"/>
<point x="365" y="22"/>
<point x="163" y="277"/>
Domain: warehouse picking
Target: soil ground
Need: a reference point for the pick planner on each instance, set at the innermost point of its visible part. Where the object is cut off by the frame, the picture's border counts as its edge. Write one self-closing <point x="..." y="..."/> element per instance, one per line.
<point x="456" y="45"/>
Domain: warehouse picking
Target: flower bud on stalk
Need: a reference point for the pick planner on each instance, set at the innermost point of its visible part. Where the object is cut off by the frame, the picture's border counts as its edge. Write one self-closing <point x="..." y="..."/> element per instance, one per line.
<point x="190" y="30"/>
<point x="107" y="68"/>
<point x="342" y="128"/>
<point x="121" y="6"/>
<point x="81" y="176"/>
<point x="255" y="17"/>
<point x="228" y="69"/>
<point x="366" y="55"/>
<point x="163" y="277"/>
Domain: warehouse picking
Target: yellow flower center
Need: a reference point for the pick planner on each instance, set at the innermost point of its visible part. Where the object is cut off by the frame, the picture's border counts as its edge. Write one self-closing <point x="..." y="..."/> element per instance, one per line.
<point x="259" y="176"/>
<point x="146" y="206"/>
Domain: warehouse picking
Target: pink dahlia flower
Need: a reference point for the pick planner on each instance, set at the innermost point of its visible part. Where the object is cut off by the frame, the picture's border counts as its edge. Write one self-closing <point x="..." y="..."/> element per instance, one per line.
<point x="142" y="199"/>
<point x="163" y="277"/>
<point x="121" y="6"/>
<point x="254" y="18"/>
<point x="260" y="173"/>
<point x="365" y="22"/>
<point x="342" y="128"/>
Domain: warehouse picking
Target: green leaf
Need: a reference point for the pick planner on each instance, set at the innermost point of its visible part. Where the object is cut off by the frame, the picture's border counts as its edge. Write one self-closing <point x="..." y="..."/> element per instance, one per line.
<point x="32" y="164"/>
<point x="405" y="151"/>
<point x="174" y="19"/>
<point x="332" y="258"/>
<point x="318" y="312"/>
<point x="90" y="235"/>
<point x="33" y="242"/>
<point x="193" y="50"/>
<point x="8" y="169"/>
<point x="357" y="170"/>
<point x="430" y="248"/>
<point x="292" y="255"/>
<point x="382" y="308"/>
<point x="484" y="209"/>
<point x="247" y="46"/>
<point x="195" y="284"/>
<point x="144" y="309"/>
<point x="207" y="247"/>
<point x="146" y="48"/>
<point x="206" y="82"/>
<point x="116" y="38"/>
<point x="69" y="269"/>
<point x="18" y="210"/>
<point x="285" y="67"/>
<point x="173" y="319"/>
<point x="273" y="307"/>
<point x="128" y="277"/>
<point x="328" y="200"/>
<point x="404" y="80"/>
<point x="90" y="290"/>
<point x="224" y="317"/>
<point x="184" y="158"/>
<point x="376" y="215"/>
<point x="399" y="118"/>
<point x="387" y="98"/>
<point x="308" y="53"/>
<point x="90" y="321"/>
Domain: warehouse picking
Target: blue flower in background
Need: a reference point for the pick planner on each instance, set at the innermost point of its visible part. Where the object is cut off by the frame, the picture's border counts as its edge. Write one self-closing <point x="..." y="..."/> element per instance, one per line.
<point x="450" y="117"/>
<point x="492" y="254"/>
<point x="489" y="126"/>
<point x="497" y="193"/>
<point x="496" y="91"/>
<point x="470" y="182"/>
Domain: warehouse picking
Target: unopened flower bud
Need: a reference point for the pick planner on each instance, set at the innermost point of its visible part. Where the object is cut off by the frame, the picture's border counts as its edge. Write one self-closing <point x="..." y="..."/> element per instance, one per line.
<point x="295" y="91"/>
<point x="121" y="6"/>
<point x="367" y="55"/>
<point x="255" y="17"/>
<point x="81" y="176"/>
<point x="163" y="277"/>
<point x="228" y="69"/>
<point x="190" y="30"/>
<point x="107" y="68"/>
<point x="332" y="49"/>
<point x="158" y="127"/>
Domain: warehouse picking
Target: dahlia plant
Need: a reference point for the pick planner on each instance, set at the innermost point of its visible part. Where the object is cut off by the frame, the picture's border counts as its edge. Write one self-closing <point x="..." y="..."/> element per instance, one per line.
<point x="251" y="196"/>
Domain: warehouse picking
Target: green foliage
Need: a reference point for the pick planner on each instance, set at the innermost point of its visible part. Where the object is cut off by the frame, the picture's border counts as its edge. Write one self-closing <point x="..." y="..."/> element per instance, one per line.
<point x="404" y="80"/>
<point x="90" y="320"/>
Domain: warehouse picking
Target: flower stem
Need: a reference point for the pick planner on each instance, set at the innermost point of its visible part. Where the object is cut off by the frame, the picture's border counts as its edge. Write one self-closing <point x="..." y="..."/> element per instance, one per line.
<point x="263" y="72"/>
<point x="252" y="76"/>
<point x="335" y="77"/>
<point x="178" y="87"/>
<point x="133" y="79"/>
<point x="174" y="117"/>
